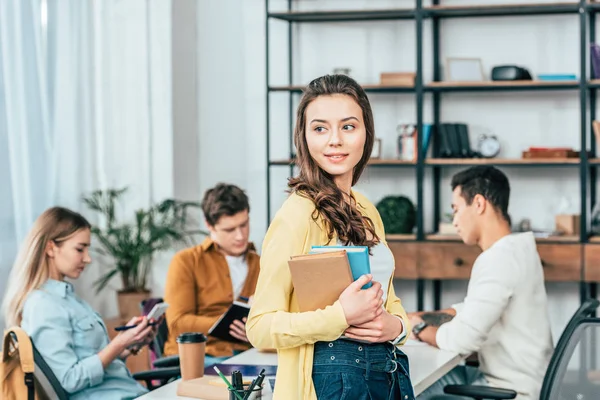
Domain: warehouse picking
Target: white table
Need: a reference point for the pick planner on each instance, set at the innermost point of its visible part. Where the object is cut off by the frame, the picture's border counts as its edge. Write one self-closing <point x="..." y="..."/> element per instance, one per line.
<point x="427" y="365"/>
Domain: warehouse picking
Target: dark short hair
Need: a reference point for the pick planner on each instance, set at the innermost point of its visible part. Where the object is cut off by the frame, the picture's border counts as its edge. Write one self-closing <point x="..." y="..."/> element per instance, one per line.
<point x="223" y="199"/>
<point x="487" y="181"/>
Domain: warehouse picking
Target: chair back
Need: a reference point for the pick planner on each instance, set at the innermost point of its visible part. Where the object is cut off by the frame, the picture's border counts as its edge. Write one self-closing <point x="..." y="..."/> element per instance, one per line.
<point x="577" y="375"/>
<point x="162" y="334"/>
<point x="569" y="339"/>
<point x="46" y="378"/>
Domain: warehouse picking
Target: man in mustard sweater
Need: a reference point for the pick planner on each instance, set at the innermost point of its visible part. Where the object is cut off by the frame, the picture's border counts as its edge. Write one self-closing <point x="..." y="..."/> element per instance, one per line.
<point x="203" y="281"/>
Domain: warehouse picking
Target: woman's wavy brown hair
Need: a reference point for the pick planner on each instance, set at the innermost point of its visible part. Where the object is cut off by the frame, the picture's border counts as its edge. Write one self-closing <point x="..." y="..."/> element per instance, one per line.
<point x="338" y="210"/>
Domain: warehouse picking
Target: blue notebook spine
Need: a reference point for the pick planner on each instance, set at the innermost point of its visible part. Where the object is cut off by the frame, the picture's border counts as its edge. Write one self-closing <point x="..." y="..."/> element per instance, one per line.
<point x="359" y="261"/>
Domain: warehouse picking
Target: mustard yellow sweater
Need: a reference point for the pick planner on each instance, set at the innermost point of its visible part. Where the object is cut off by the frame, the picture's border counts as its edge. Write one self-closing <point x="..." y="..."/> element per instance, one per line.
<point x="275" y="320"/>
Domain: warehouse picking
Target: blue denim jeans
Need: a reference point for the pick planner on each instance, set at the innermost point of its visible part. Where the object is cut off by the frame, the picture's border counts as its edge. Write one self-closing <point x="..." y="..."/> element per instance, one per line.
<point x="345" y="369"/>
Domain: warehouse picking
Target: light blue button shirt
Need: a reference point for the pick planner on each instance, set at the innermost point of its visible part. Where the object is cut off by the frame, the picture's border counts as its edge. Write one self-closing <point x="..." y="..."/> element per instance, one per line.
<point x="68" y="333"/>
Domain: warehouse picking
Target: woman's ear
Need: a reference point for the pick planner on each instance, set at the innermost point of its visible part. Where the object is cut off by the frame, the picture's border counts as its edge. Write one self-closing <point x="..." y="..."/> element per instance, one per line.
<point x="50" y="248"/>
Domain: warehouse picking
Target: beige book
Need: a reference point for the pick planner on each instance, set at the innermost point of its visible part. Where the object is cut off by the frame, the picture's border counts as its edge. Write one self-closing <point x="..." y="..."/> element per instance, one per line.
<point x="319" y="279"/>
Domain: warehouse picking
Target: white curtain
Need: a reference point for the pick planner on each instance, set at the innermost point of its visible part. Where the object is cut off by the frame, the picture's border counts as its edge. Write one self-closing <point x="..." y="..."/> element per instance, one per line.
<point x="85" y="103"/>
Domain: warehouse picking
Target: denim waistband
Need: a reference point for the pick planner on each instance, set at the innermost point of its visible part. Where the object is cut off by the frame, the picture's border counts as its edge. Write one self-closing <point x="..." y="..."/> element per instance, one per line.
<point x="376" y="357"/>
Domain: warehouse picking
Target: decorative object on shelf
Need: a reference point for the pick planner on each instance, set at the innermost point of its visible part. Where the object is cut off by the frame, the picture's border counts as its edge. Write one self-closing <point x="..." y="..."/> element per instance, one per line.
<point x="397" y="79"/>
<point x="567" y="224"/>
<point x="376" y="152"/>
<point x="595" y="58"/>
<point x="595" y="220"/>
<point x="557" y="77"/>
<point x="488" y="145"/>
<point x="524" y="225"/>
<point x="342" y="71"/>
<point x="510" y="73"/>
<point x="596" y="128"/>
<point x="550" y="152"/>
<point x="132" y="245"/>
<point x="446" y="227"/>
<point x="398" y="213"/>
<point x="407" y="142"/>
<point x="464" y="69"/>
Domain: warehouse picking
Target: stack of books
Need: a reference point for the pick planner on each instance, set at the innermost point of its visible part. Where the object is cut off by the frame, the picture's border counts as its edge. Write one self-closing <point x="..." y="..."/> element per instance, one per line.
<point x="320" y="276"/>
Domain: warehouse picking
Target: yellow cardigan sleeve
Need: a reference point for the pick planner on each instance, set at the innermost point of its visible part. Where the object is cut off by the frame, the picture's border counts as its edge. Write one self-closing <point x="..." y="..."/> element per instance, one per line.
<point x="271" y="324"/>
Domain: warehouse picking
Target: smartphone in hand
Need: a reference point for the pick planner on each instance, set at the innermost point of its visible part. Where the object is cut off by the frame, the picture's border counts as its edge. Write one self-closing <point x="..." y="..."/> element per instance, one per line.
<point x="157" y="311"/>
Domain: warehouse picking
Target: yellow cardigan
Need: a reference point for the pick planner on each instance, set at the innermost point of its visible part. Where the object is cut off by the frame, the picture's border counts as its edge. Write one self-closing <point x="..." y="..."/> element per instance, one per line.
<point x="275" y="320"/>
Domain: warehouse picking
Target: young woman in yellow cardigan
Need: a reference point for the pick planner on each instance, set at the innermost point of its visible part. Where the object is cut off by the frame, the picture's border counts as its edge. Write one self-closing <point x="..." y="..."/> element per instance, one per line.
<point x="347" y="350"/>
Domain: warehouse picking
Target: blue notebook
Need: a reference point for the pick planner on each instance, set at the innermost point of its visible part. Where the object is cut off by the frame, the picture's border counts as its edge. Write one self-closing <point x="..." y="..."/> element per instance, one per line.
<point x="358" y="257"/>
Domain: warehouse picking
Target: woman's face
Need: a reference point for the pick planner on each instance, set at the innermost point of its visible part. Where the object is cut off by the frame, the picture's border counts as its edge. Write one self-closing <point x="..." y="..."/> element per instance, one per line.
<point x="69" y="257"/>
<point x="335" y="135"/>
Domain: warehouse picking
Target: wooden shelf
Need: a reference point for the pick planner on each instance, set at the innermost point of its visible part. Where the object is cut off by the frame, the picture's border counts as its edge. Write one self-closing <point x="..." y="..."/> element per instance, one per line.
<point x="430" y="12"/>
<point x="502" y="10"/>
<point x="345" y="15"/>
<point x="501" y="85"/>
<point x="594" y="161"/>
<point x="537" y="162"/>
<point x="373" y="162"/>
<point x="503" y="161"/>
<point x="560" y="239"/>
<point x="371" y="88"/>
<point x="390" y="162"/>
<point x="400" y="237"/>
<point x="594" y="239"/>
<point x="594" y="83"/>
<point x="436" y="237"/>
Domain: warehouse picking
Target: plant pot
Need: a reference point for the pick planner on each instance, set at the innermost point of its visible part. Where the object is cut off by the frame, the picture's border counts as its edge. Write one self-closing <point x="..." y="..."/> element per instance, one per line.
<point x="130" y="303"/>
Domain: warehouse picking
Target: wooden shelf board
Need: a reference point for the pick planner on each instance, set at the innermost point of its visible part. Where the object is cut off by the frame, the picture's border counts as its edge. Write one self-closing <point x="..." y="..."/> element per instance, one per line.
<point x="501" y="6"/>
<point x="281" y="162"/>
<point x="456" y="238"/>
<point x="391" y="161"/>
<point x="400" y="237"/>
<point x="500" y="161"/>
<point x="594" y="161"/>
<point x="436" y="237"/>
<point x="369" y="87"/>
<point x="373" y="161"/>
<point x="562" y="239"/>
<point x="594" y="239"/>
<point x="345" y="15"/>
<point x="524" y="83"/>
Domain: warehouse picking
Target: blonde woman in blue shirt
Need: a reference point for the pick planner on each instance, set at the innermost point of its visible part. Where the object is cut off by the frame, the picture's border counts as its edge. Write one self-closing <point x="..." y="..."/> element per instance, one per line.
<point x="68" y="333"/>
<point x="347" y="350"/>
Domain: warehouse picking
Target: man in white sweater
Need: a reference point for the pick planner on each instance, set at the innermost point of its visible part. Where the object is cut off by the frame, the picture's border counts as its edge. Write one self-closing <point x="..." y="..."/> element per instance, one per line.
<point x="504" y="316"/>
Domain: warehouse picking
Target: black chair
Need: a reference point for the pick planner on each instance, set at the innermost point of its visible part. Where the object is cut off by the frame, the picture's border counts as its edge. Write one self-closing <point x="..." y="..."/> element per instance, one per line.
<point x="557" y="365"/>
<point x="160" y="339"/>
<point x="164" y="369"/>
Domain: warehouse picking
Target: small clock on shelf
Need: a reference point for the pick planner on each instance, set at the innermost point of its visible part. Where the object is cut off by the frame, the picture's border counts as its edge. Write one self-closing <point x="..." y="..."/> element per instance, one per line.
<point x="488" y="146"/>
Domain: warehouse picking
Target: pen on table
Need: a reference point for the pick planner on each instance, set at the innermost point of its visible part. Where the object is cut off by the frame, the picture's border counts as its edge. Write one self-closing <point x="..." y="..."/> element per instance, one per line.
<point x="253" y="384"/>
<point x="237" y="380"/>
<point x="227" y="383"/>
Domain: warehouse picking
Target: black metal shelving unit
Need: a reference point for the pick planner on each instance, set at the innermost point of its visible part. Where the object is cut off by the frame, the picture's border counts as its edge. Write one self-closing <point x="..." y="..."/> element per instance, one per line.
<point x="587" y="165"/>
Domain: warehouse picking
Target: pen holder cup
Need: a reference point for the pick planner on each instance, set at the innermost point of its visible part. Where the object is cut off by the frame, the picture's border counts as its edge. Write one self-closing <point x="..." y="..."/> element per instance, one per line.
<point x="256" y="393"/>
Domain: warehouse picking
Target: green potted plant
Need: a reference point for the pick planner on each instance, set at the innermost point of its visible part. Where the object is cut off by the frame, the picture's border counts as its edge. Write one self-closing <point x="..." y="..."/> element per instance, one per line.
<point x="398" y="213"/>
<point x="132" y="245"/>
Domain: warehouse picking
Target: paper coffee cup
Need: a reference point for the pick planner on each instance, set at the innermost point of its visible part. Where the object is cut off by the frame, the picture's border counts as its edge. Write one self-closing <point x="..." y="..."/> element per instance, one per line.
<point x="192" y="348"/>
